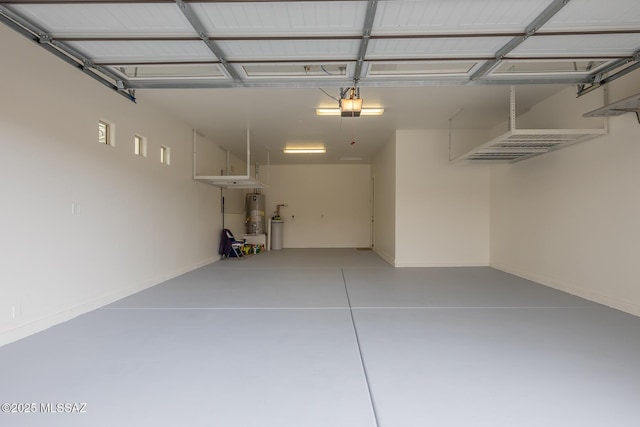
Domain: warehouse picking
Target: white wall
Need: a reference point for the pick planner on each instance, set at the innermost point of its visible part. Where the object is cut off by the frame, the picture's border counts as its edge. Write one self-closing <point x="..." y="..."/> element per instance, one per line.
<point x="328" y="205"/>
<point x="442" y="210"/>
<point x="234" y="211"/>
<point x="136" y="223"/>
<point x="570" y="218"/>
<point x="383" y="173"/>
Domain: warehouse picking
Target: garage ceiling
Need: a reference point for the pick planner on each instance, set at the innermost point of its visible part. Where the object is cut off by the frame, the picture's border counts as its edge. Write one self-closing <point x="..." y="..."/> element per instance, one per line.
<point x="139" y="48"/>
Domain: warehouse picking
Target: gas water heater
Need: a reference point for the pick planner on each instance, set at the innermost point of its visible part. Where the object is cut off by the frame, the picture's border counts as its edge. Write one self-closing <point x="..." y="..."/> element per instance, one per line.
<point x="255" y="213"/>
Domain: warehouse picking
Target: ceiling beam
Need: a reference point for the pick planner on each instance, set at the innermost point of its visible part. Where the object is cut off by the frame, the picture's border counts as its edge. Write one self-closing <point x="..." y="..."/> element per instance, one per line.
<point x="146" y="1"/>
<point x="312" y="61"/>
<point x="531" y="29"/>
<point x="567" y="33"/>
<point x="307" y="61"/>
<point x="342" y="82"/>
<point x="212" y="38"/>
<point x="82" y="1"/>
<point x="370" y="15"/>
<point x="213" y="47"/>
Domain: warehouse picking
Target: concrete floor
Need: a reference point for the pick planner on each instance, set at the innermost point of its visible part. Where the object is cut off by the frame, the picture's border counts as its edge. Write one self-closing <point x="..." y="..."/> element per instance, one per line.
<point x="333" y="338"/>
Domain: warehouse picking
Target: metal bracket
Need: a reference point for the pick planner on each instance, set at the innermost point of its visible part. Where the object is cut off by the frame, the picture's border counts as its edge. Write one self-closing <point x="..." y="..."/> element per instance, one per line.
<point x="598" y="80"/>
<point x="512" y="108"/>
<point x="44" y="38"/>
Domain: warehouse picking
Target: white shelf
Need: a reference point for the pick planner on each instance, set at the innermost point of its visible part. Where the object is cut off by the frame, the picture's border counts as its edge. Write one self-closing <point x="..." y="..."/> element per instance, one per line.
<point x="227" y="181"/>
<point x="520" y="144"/>
<point x="626" y="105"/>
<point x="231" y="181"/>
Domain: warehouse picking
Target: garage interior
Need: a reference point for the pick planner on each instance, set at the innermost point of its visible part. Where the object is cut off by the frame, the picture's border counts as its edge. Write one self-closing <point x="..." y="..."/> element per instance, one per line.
<point x="467" y="256"/>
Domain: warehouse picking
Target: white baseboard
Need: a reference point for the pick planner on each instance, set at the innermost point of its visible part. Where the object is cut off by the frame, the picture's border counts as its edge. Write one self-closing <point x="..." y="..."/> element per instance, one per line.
<point x="444" y="263"/>
<point x="34" y="326"/>
<point x="560" y="285"/>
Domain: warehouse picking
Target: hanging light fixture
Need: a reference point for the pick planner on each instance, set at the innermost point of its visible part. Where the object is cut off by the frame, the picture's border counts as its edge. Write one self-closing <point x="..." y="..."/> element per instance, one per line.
<point x="337" y="112"/>
<point x="351" y="106"/>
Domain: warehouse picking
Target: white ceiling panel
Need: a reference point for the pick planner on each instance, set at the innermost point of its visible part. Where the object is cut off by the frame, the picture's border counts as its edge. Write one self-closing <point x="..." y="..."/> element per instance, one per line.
<point x="290" y="49"/>
<point x="611" y="44"/>
<point x="467" y="16"/>
<point x="265" y="18"/>
<point x="441" y="47"/>
<point x="102" y="19"/>
<point x="597" y="14"/>
<point x="144" y="50"/>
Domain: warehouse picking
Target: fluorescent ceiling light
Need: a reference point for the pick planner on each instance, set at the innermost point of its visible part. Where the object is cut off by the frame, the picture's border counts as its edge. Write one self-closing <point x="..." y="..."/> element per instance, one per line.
<point x="305" y="150"/>
<point x="337" y="112"/>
